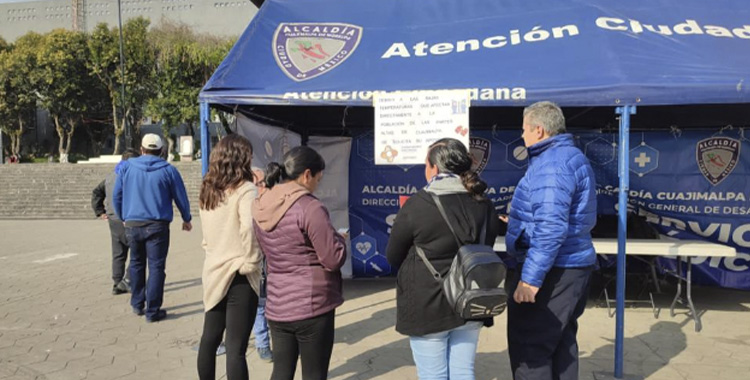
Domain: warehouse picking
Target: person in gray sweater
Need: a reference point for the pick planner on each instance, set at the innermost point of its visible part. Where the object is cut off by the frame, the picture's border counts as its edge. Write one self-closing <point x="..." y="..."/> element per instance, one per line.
<point x="101" y="203"/>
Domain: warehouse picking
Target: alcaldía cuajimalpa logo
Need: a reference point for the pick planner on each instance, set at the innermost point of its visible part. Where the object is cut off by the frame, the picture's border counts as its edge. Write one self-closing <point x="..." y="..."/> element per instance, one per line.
<point x="306" y="50"/>
<point x="717" y="157"/>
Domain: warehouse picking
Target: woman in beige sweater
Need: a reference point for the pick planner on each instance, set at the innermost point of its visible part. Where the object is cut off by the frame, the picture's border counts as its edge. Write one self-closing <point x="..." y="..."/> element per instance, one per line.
<point x="231" y="271"/>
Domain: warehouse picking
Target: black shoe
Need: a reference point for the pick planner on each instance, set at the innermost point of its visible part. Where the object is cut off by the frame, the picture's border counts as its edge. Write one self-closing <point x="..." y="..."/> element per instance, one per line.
<point x="124" y="284"/>
<point x="121" y="288"/>
<point x="116" y="289"/>
<point x="138" y="312"/>
<point x="161" y="314"/>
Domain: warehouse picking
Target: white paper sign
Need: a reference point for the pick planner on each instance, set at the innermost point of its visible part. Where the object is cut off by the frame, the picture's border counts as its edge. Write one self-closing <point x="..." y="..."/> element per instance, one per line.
<point x="406" y="123"/>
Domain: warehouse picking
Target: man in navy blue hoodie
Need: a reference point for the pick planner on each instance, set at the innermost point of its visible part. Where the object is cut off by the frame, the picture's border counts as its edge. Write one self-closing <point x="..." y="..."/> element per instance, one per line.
<point x="143" y="196"/>
<point x="549" y="233"/>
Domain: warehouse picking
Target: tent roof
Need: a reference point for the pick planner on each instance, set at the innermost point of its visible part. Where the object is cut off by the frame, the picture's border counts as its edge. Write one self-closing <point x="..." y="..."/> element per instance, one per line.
<point x="509" y="53"/>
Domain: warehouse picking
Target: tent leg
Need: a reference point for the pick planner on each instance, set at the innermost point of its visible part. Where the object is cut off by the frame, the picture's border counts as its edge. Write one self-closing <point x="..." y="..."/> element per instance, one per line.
<point x="205" y="138"/>
<point x="622" y="233"/>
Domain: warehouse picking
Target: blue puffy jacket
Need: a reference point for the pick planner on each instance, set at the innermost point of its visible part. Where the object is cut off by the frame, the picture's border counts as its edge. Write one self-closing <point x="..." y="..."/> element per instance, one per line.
<point x="553" y="210"/>
<point x="145" y="189"/>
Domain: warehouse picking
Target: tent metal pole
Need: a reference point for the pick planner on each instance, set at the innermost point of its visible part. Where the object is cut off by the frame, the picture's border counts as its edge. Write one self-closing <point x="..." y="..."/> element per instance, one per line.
<point x="622" y="233"/>
<point x="205" y="138"/>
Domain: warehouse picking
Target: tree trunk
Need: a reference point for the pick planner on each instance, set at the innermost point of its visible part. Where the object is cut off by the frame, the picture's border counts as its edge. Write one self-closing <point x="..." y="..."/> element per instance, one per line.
<point x="170" y="147"/>
<point x="72" y="125"/>
<point x="17" y="147"/>
<point x="190" y="129"/>
<point x="61" y="145"/>
<point x="117" y="131"/>
<point x="14" y="144"/>
<point x="16" y="140"/>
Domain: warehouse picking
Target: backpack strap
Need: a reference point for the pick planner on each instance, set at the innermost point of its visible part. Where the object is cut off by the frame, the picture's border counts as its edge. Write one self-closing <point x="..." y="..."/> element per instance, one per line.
<point x="427" y="263"/>
<point x="485" y="225"/>
<point x="482" y="238"/>
<point x="445" y="217"/>
<point x="483" y="234"/>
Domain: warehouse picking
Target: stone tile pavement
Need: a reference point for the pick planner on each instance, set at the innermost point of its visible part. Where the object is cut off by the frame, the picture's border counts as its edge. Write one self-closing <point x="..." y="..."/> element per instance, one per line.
<point x="58" y="321"/>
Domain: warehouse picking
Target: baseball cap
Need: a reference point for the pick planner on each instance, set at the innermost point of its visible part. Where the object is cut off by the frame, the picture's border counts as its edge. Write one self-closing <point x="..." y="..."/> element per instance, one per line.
<point x="151" y="141"/>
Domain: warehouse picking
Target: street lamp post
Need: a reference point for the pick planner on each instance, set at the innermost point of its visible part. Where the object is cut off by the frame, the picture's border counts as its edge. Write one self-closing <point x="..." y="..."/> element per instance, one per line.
<point x="128" y="135"/>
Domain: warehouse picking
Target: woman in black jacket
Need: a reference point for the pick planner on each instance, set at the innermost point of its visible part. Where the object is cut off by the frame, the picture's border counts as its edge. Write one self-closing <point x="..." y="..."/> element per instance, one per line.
<point x="443" y="344"/>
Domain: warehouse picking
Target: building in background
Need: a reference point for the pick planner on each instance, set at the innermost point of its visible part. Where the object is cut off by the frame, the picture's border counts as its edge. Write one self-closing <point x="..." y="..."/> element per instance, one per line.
<point x="217" y="17"/>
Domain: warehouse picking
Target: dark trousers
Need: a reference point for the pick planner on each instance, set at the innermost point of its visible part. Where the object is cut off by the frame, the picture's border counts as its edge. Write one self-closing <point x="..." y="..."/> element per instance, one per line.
<point x="148" y="246"/>
<point x="235" y="314"/>
<point x="119" y="250"/>
<point x="542" y="341"/>
<point x="311" y="340"/>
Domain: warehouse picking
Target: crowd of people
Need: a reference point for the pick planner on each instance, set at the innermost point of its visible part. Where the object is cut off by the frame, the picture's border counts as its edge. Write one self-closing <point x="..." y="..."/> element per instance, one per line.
<point x="273" y="258"/>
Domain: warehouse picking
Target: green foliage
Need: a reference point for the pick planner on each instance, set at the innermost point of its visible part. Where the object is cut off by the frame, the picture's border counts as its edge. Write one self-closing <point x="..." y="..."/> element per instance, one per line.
<point x="64" y="84"/>
<point x="18" y="88"/>
<point x="140" y="56"/>
<point x="77" y="77"/>
<point x="185" y="62"/>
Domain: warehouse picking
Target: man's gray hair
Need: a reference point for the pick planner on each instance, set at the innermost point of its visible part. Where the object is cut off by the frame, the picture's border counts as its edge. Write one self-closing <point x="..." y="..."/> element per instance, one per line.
<point x="547" y="115"/>
<point x="257" y="169"/>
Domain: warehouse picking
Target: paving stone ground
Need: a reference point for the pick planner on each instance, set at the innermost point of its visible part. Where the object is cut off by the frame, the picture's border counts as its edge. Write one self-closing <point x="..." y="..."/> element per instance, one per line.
<point x="58" y="321"/>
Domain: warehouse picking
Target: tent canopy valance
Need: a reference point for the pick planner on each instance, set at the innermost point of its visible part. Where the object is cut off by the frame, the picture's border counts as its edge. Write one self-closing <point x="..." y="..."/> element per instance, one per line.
<point x="510" y="53"/>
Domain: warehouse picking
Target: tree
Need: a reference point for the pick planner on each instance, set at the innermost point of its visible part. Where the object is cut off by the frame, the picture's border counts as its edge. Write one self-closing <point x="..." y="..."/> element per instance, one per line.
<point x="64" y="83"/>
<point x="104" y="64"/>
<point x="185" y="62"/>
<point x="17" y="87"/>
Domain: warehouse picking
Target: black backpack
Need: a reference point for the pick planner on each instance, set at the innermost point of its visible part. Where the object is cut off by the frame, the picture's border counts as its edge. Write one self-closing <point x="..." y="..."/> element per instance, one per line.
<point x="474" y="285"/>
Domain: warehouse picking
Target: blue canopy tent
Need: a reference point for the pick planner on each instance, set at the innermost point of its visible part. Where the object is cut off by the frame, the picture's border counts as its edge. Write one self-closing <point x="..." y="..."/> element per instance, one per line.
<point x="686" y="60"/>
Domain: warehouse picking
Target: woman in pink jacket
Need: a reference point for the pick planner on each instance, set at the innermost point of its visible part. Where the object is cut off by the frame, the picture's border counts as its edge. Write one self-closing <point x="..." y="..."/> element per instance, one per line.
<point x="304" y="255"/>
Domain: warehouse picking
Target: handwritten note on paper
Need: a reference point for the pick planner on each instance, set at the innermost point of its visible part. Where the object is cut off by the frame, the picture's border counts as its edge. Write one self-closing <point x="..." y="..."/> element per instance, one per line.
<point x="406" y="123"/>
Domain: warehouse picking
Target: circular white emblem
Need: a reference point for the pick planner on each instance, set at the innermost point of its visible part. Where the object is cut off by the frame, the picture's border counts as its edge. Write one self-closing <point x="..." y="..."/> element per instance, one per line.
<point x="520" y="153"/>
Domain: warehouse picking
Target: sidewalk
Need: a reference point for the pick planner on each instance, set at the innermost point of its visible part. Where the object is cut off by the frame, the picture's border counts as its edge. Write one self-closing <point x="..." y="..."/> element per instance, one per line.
<point x="59" y="321"/>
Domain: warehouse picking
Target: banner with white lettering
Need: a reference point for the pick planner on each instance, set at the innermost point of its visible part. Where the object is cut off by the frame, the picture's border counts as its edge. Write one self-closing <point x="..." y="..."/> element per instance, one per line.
<point x="693" y="184"/>
<point x="376" y="192"/>
<point x="688" y="185"/>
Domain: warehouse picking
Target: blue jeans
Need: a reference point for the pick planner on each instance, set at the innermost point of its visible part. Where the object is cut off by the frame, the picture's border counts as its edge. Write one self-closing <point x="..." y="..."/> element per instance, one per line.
<point x="260" y="328"/>
<point x="447" y="354"/>
<point x="148" y="245"/>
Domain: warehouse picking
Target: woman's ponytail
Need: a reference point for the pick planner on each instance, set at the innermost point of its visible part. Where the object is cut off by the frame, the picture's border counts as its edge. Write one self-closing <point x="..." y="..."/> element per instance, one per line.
<point x="474" y="184"/>
<point x="274" y="174"/>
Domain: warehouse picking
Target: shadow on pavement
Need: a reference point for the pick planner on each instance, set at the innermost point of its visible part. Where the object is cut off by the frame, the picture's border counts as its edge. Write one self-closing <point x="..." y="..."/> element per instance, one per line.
<point x="178" y="285"/>
<point x="663" y="342"/>
<point x="362" y="287"/>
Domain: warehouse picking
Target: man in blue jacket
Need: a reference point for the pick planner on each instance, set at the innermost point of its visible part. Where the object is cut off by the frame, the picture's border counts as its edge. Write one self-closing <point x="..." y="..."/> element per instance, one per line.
<point x="551" y="216"/>
<point x="143" y="195"/>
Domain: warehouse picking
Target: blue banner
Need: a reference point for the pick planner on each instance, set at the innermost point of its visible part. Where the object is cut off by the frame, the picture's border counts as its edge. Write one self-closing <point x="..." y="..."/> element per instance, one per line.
<point x="688" y="185"/>
<point x="507" y="53"/>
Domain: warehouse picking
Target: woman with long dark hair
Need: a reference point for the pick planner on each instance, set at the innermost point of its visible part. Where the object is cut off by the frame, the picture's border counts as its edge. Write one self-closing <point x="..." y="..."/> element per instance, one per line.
<point x="304" y="255"/>
<point x="232" y="268"/>
<point x="443" y="344"/>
